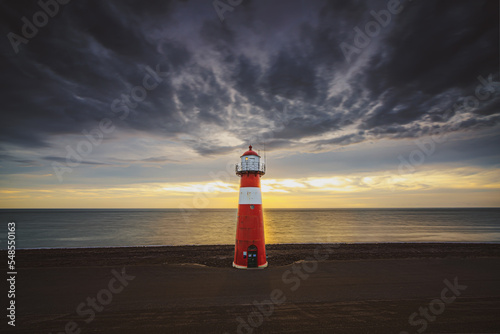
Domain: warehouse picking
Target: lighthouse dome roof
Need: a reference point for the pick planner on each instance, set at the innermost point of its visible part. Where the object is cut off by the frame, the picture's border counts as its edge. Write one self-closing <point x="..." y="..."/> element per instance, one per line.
<point x="250" y="152"/>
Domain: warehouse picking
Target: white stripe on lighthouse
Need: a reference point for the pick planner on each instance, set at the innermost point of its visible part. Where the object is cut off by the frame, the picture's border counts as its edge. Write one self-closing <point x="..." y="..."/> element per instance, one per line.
<point x="250" y="195"/>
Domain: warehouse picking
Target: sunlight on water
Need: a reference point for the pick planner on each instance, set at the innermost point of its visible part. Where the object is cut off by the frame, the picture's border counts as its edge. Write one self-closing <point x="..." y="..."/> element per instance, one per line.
<point x="96" y="228"/>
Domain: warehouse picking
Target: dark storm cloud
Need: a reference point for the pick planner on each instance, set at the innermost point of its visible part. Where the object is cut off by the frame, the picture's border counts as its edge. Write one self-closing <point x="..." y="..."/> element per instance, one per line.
<point x="437" y="47"/>
<point x="239" y="75"/>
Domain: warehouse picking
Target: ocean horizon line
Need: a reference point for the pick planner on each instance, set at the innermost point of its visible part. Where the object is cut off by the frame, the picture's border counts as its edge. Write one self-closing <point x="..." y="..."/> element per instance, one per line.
<point x="267" y="208"/>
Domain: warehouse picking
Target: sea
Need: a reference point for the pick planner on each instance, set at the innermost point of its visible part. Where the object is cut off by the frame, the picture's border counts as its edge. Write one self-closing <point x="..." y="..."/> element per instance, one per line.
<point x="71" y="228"/>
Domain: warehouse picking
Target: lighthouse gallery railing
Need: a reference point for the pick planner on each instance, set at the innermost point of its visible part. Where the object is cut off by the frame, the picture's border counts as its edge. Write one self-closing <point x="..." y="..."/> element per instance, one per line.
<point x="242" y="167"/>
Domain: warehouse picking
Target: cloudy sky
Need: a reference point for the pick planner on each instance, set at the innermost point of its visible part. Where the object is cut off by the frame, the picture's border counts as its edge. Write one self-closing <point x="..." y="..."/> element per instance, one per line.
<point x="148" y="104"/>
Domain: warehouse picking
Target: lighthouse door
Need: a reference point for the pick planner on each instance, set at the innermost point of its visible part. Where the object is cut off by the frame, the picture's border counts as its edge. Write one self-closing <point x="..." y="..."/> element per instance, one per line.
<point x="252" y="257"/>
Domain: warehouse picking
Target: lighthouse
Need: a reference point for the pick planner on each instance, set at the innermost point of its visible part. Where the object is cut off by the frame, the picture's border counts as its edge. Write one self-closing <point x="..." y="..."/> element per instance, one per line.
<point x="250" y="248"/>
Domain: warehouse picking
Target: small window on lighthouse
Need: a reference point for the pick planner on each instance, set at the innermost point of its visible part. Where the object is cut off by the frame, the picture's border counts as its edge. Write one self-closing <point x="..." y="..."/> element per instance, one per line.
<point x="251" y="206"/>
<point x="246" y="158"/>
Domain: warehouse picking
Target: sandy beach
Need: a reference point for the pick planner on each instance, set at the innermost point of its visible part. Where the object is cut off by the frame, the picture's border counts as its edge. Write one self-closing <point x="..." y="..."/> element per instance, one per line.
<point x="346" y="288"/>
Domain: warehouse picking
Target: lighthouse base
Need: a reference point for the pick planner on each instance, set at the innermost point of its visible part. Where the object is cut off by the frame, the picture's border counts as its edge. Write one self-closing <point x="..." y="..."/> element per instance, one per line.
<point x="262" y="266"/>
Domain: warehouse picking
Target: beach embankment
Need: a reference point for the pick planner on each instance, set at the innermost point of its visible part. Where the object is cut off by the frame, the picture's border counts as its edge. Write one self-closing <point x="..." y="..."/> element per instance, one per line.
<point x="221" y="256"/>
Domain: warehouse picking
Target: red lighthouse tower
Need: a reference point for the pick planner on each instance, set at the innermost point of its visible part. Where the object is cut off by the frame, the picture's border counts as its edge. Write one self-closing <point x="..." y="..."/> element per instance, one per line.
<point x="250" y="249"/>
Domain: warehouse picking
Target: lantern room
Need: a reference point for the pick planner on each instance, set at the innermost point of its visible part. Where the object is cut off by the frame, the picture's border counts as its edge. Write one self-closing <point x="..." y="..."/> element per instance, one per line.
<point x="250" y="162"/>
